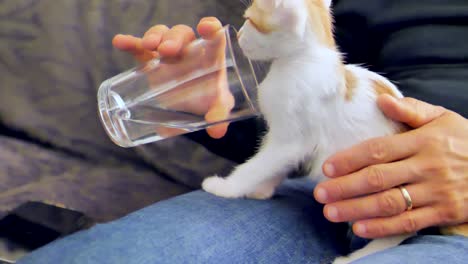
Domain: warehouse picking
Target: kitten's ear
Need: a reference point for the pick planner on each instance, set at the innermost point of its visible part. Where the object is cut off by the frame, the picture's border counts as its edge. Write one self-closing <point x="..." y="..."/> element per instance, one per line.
<point x="268" y="5"/>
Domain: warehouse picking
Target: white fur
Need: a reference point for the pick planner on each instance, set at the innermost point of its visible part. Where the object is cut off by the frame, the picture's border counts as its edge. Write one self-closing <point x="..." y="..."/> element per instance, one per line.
<point x="374" y="246"/>
<point x="302" y="99"/>
<point x="327" y="3"/>
<point x="269" y="5"/>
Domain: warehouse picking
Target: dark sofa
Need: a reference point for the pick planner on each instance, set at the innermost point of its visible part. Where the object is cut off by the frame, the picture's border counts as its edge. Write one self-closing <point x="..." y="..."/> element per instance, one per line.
<point x="53" y="56"/>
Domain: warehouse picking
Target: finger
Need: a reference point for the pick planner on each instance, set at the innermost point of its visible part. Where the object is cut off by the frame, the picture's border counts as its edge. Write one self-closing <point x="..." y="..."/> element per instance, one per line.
<point x="371" y="152"/>
<point x="124" y="42"/>
<point x="153" y="37"/>
<point x="405" y="223"/>
<point x="217" y="131"/>
<point x="221" y="107"/>
<point x="208" y="26"/>
<point x="175" y="39"/>
<point x="382" y="204"/>
<point x="409" y="110"/>
<point x="141" y="54"/>
<point x="132" y="45"/>
<point x="369" y="180"/>
<point x="219" y="111"/>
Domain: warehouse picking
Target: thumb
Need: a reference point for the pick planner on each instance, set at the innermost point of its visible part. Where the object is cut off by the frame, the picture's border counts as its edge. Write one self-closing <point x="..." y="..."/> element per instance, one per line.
<point x="411" y="111"/>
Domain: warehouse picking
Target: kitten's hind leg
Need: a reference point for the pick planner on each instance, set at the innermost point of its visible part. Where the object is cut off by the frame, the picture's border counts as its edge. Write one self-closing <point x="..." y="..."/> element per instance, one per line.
<point x="374" y="246"/>
<point x="259" y="176"/>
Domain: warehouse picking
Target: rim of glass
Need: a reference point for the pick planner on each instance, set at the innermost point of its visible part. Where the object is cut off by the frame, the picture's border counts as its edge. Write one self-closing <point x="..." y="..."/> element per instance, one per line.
<point x="227" y="29"/>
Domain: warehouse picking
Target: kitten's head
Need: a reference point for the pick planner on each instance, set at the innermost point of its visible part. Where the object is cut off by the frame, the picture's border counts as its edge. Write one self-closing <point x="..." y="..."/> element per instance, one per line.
<point x="276" y="28"/>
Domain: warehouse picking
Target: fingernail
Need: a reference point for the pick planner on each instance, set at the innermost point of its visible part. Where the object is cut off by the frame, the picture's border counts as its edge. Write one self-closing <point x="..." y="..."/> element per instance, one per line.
<point x="321" y="194"/>
<point x="360" y="229"/>
<point x="212" y="22"/>
<point x="329" y="169"/>
<point x="332" y="213"/>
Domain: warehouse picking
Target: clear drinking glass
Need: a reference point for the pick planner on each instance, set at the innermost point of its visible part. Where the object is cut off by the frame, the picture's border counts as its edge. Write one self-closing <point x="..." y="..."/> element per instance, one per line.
<point x="210" y="83"/>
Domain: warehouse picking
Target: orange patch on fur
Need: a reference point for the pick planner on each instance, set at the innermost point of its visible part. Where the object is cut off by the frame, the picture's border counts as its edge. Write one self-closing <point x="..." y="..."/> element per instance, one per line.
<point x="261" y="27"/>
<point x="258" y="19"/>
<point x="350" y="84"/>
<point x="456" y="230"/>
<point x="321" y="21"/>
<point x="381" y="87"/>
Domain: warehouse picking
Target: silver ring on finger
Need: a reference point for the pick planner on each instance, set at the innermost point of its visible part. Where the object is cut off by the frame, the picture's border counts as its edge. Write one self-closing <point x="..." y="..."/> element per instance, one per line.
<point x="407" y="197"/>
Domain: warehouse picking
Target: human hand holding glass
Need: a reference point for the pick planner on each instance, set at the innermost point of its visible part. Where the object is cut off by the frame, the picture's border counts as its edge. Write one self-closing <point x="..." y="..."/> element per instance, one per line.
<point x="181" y="82"/>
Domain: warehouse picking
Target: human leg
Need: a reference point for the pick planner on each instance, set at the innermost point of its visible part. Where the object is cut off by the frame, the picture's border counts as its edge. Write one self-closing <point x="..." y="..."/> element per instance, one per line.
<point x="201" y="228"/>
<point x="425" y="249"/>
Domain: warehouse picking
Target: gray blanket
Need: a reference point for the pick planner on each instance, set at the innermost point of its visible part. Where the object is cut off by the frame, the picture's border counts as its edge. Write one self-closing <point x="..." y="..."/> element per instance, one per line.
<point x="53" y="56"/>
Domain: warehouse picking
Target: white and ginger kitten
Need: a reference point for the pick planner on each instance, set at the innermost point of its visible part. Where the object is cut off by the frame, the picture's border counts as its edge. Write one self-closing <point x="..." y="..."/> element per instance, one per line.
<point x="313" y="103"/>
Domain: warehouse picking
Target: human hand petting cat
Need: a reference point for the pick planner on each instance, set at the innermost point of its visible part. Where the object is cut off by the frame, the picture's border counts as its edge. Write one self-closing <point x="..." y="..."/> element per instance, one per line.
<point x="431" y="161"/>
<point x="164" y="42"/>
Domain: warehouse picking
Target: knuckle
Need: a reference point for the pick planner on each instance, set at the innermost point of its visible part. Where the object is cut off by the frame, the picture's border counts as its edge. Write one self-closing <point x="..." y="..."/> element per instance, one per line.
<point x="439" y="152"/>
<point x="340" y="191"/>
<point x="454" y="212"/>
<point x="417" y="109"/>
<point x="441" y="109"/>
<point x="181" y="27"/>
<point x="440" y="167"/>
<point x="380" y="230"/>
<point x="344" y="164"/>
<point x="448" y="114"/>
<point x="451" y="215"/>
<point x="444" y="170"/>
<point x="378" y="150"/>
<point x="160" y="27"/>
<point x="156" y="29"/>
<point x="429" y="140"/>
<point x="421" y="110"/>
<point x="388" y="204"/>
<point x="409" y="224"/>
<point x="452" y="145"/>
<point x="411" y="102"/>
<point x="375" y="178"/>
<point x="435" y="141"/>
<point x="459" y="205"/>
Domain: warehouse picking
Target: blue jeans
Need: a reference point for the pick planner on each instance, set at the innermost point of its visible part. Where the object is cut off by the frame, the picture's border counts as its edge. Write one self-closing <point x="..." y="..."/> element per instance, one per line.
<point x="200" y="228"/>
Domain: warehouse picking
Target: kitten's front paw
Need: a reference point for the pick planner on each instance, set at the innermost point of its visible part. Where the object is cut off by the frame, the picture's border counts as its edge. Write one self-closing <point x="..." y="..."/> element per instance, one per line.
<point x="220" y="187"/>
<point x="342" y="260"/>
<point x="263" y="192"/>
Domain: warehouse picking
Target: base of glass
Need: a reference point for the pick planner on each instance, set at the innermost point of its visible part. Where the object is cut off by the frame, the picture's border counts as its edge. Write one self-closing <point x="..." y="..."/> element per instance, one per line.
<point x="112" y="129"/>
